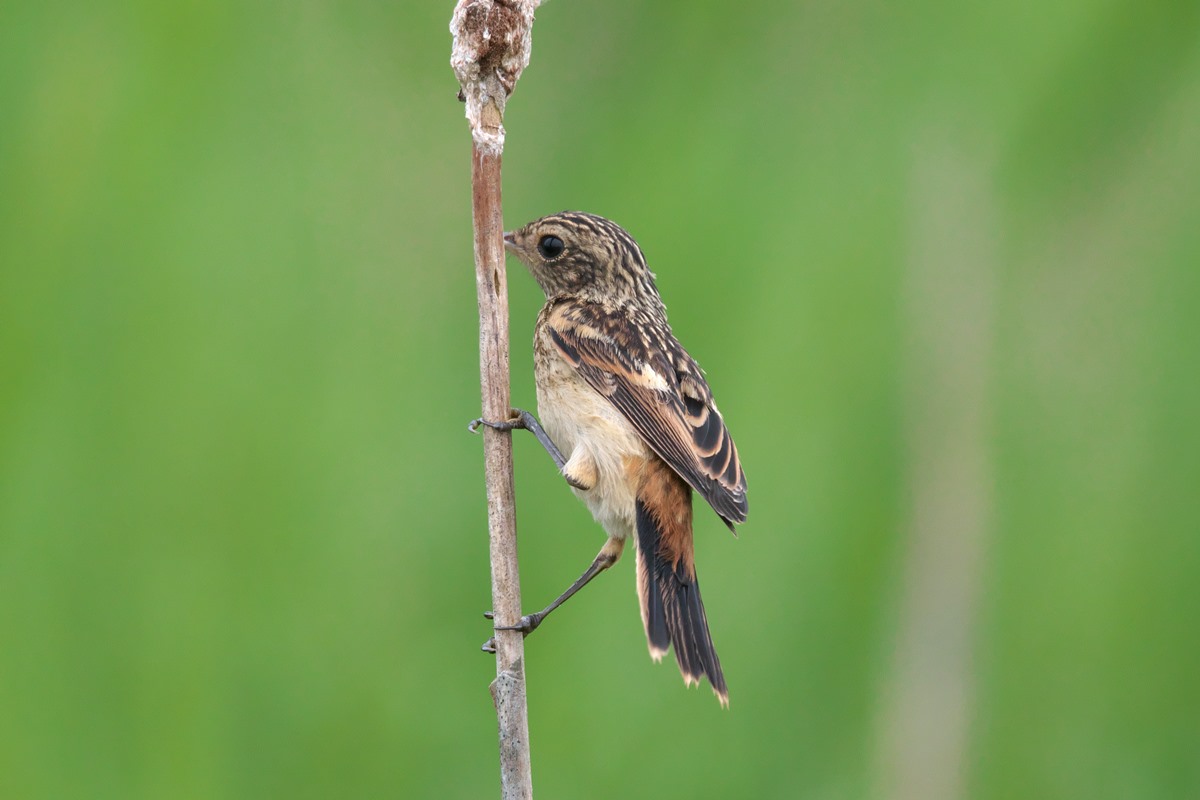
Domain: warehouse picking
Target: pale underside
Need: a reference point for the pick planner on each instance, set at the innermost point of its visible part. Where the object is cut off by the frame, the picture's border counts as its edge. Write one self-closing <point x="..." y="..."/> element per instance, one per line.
<point x="602" y="449"/>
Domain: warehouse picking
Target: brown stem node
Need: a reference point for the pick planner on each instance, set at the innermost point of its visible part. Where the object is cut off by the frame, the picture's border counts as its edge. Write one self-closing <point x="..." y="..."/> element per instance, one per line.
<point x="491" y="49"/>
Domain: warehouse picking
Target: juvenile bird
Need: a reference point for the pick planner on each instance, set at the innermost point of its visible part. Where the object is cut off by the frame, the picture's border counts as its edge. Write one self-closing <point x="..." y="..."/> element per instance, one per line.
<point x="631" y="411"/>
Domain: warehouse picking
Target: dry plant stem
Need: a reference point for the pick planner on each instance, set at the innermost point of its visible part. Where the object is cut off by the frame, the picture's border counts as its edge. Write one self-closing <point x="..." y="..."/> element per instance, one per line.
<point x="491" y="48"/>
<point x="508" y="690"/>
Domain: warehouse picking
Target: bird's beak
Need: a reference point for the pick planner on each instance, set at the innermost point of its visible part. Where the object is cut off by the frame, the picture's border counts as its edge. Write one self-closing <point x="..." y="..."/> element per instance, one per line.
<point x="510" y="243"/>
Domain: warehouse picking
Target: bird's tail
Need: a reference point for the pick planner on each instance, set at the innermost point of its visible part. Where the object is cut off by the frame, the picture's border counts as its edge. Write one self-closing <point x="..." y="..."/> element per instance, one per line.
<point x="672" y="611"/>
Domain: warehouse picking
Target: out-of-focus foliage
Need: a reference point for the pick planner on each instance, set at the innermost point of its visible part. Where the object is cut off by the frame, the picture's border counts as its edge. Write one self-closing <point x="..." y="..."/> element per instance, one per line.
<point x="242" y="533"/>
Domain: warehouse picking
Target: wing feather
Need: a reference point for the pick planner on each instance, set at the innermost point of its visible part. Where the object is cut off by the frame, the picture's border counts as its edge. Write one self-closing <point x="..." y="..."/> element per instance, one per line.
<point x="648" y="376"/>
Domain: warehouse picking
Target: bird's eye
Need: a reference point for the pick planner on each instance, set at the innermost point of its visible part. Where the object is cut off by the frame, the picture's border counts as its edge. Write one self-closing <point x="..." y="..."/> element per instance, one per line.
<point x="551" y="246"/>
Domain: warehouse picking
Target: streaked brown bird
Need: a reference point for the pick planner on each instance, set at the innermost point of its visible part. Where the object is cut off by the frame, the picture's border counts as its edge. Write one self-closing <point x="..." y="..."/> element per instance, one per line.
<point x="631" y="411"/>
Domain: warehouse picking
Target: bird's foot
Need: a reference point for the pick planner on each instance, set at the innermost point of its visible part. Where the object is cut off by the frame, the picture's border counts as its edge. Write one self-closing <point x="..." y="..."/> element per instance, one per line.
<point x="519" y="421"/>
<point x="526" y="625"/>
<point x="523" y="420"/>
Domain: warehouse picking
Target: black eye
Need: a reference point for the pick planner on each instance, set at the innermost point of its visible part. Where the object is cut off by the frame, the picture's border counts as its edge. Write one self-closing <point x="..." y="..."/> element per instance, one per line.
<point x="551" y="246"/>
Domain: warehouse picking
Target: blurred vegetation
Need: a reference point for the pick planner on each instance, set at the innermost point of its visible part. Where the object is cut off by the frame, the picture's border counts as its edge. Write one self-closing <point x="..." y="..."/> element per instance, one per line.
<point x="242" y="533"/>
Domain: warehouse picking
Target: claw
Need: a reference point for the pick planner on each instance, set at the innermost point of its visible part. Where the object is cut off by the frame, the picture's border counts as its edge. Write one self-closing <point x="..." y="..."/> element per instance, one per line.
<point x="490" y="645"/>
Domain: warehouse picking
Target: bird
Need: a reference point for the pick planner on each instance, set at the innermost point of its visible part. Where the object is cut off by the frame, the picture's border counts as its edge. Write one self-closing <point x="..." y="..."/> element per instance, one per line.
<point x="630" y="421"/>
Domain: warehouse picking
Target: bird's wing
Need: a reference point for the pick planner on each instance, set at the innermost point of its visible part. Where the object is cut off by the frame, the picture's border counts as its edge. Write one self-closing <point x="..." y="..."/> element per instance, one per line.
<point x="633" y="360"/>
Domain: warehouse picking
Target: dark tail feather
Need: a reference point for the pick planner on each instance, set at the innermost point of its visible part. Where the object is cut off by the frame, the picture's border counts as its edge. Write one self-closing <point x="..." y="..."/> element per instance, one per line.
<point x="672" y="610"/>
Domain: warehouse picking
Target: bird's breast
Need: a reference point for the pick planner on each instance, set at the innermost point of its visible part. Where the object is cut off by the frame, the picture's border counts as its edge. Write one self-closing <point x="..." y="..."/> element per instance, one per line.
<point x="578" y="417"/>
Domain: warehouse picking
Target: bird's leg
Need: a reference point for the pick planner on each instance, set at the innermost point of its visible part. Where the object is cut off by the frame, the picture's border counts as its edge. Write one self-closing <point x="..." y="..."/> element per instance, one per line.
<point x="608" y="555"/>
<point x="526" y="421"/>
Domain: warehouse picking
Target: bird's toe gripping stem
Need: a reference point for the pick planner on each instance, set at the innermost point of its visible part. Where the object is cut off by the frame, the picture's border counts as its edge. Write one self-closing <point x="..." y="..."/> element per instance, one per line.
<point x="523" y="420"/>
<point x="526" y="625"/>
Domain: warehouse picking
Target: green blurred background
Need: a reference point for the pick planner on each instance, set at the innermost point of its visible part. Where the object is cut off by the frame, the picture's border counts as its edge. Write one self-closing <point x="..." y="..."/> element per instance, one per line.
<point x="939" y="260"/>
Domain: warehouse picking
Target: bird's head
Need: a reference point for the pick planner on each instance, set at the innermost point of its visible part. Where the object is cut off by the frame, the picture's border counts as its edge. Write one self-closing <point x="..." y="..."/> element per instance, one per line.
<point x="572" y="254"/>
